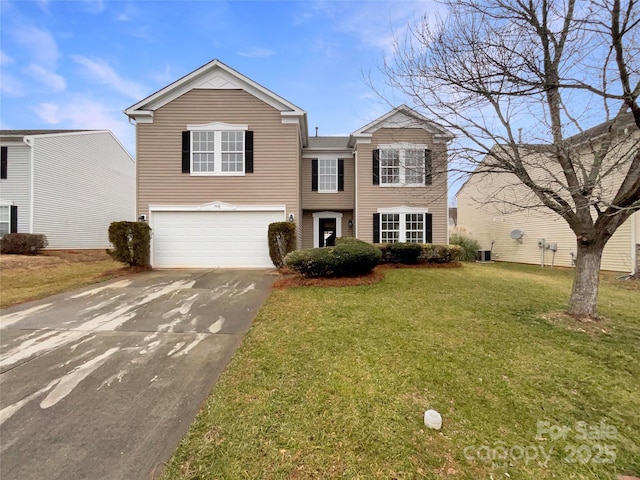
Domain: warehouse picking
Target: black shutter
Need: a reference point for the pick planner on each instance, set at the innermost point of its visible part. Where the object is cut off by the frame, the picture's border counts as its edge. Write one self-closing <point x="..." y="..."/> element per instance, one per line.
<point x="3" y="163"/>
<point x="376" y="167"/>
<point x="186" y="152"/>
<point x="428" y="227"/>
<point x="428" y="174"/>
<point x="14" y="219"/>
<point x="376" y="228"/>
<point x="341" y="175"/>
<point x="248" y="151"/>
<point x="314" y="174"/>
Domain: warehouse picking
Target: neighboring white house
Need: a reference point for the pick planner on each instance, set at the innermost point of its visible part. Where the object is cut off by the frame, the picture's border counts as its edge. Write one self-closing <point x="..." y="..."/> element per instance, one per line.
<point x="67" y="184"/>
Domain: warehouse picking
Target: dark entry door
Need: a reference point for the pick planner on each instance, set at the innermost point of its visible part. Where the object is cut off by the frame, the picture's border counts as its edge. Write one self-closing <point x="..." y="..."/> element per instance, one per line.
<point x="327" y="232"/>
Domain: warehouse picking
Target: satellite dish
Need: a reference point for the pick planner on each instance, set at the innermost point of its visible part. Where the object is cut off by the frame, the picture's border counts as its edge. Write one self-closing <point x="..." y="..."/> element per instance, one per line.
<point x="516" y="234"/>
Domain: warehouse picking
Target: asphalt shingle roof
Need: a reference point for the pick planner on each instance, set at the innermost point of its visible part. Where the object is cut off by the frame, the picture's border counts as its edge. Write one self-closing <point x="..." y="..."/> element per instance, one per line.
<point x="328" y="142"/>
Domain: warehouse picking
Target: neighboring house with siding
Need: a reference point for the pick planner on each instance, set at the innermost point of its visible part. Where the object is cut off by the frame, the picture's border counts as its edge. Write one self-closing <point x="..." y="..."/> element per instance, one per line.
<point x="219" y="157"/>
<point x="537" y="235"/>
<point x="67" y="184"/>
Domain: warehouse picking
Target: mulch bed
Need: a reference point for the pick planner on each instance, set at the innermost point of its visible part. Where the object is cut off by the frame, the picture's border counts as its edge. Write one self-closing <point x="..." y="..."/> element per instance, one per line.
<point x="291" y="279"/>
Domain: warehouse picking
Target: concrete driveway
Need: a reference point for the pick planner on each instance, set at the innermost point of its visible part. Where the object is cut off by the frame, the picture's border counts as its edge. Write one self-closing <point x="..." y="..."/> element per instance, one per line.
<point x="103" y="382"/>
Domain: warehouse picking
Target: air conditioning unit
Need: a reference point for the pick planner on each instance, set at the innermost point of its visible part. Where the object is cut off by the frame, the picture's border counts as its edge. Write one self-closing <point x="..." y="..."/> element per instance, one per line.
<point x="483" y="256"/>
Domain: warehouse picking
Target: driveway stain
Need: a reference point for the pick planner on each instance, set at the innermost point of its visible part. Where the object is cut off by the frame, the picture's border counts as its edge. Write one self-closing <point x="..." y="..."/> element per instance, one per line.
<point x="104" y="382"/>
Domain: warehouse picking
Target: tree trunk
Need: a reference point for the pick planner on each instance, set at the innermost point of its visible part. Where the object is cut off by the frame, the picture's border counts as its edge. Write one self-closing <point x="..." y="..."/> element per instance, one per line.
<point x="584" y="296"/>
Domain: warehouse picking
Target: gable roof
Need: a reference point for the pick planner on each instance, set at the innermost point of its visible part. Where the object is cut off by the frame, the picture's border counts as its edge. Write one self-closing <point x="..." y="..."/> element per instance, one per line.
<point x="216" y="75"/>
<point x="401" y="117"/>
<point x="621" y="124"/>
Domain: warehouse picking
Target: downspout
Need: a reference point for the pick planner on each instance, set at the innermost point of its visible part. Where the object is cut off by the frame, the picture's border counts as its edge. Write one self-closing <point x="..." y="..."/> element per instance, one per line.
<point x="356" y="223"/>
<point x="30" y="143"/>
<point x="634" y="242"/>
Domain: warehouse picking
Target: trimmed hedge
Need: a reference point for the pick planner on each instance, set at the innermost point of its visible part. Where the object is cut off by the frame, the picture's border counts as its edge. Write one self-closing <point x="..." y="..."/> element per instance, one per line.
<point x="23" y="243"/>
<point x="282" y="240"/>
<point x="406" y="253"/>
<point x="412" y="253"/>
<point x="439" y="253"/>
<point x="350" y="257"/>
<point x="131" y="243"/>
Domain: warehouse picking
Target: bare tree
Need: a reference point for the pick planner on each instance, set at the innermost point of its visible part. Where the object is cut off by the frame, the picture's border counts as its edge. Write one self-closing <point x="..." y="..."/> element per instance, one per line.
<point x="517" y="81"/>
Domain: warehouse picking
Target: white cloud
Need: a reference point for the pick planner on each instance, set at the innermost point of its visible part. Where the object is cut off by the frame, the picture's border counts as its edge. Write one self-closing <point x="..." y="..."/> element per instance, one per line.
<point x="11" y="86"/>
<point x="40" y="45"/>
<point x="85" y="113"/>
<point x="51" y="80"/>
<point x="5" y="59"/>
<point x="48" y="112"/>
<point x="94" y="6"/>
<point x="127" y="14"/>
<point x="165" y="77"/>
<point x="373" y="24"/>
<point x="102" y="73"/>
<point x="257" y="53"/>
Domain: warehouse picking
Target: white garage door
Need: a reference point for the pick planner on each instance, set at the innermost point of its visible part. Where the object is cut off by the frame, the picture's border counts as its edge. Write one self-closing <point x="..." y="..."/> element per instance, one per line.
<point x="212" y="239"/>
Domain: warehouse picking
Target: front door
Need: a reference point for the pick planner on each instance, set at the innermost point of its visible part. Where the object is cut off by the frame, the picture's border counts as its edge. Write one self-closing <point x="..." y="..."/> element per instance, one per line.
<point x="327" y="232"/>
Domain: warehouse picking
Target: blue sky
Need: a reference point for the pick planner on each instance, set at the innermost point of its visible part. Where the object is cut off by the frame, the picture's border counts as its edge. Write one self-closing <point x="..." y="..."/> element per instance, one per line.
<point x="78" y="64"/>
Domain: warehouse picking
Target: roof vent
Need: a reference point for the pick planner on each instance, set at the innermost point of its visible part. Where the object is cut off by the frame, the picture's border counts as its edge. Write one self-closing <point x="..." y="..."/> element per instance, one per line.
<point x="517" y="234"/>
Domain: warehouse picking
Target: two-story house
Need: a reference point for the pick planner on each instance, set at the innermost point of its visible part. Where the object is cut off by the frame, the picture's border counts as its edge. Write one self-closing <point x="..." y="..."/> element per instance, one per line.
<point x="536" y="235"/>
<point x="219" y="157"/>
<point x="66" y="184"/>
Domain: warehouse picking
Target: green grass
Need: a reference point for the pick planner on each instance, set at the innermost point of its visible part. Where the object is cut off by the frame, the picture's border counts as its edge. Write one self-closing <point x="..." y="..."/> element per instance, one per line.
<point x="333" y="382"/>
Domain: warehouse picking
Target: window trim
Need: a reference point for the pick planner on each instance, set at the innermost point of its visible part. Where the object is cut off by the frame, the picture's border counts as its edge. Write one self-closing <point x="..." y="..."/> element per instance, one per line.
<point x="402" y="221"/>
<point x="402" y="148"/>
<point x="335" y="176"/>
<point x="217" y="128"/>
<point x="11" y="222"/>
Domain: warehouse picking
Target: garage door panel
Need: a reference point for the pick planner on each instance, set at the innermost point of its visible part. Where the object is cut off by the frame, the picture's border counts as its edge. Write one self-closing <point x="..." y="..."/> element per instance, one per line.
<point x="212" y="239"/>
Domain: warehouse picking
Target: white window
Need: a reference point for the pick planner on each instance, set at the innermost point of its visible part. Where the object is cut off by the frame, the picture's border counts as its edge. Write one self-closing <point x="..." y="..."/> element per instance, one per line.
<point x="389" y="167"/>
<point x="390" y="227"/>
<point x="402" y="166"/>
<point x="328" y="175"/>
<point x="232" y="151"/>
<point x="414" y="227"/>
<point x="217" y="149"/>
<point x="402" y="227"/>
<point x="203" y="152"/>
<point x="5" y="219"/>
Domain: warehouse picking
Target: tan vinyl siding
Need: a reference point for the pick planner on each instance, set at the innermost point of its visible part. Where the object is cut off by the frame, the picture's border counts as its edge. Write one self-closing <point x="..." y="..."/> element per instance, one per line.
<point x="486" y="223"/>
<point x="16" y="188"/>
<point x="307" y="229"/>
<point x="328" y="201"/>
<point x="371" y="197"/>
<point x="276" y="154"/>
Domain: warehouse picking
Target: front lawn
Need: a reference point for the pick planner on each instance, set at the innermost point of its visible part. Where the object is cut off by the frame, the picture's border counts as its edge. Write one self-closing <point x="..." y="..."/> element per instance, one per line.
<point x="30" y="277"/>
<point x="334" y="382"/>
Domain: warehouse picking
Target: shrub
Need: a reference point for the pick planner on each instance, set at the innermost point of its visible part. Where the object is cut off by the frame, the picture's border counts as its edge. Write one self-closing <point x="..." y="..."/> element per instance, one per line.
<point x="131" y="243"/>
<point x="350" y="257"/>
<point x="439" y="253"/>
<point x="406" y="253"/>
<point x="468" y="245"/>
<point x="23" y="243"/>
<point x="282" y="240"/>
